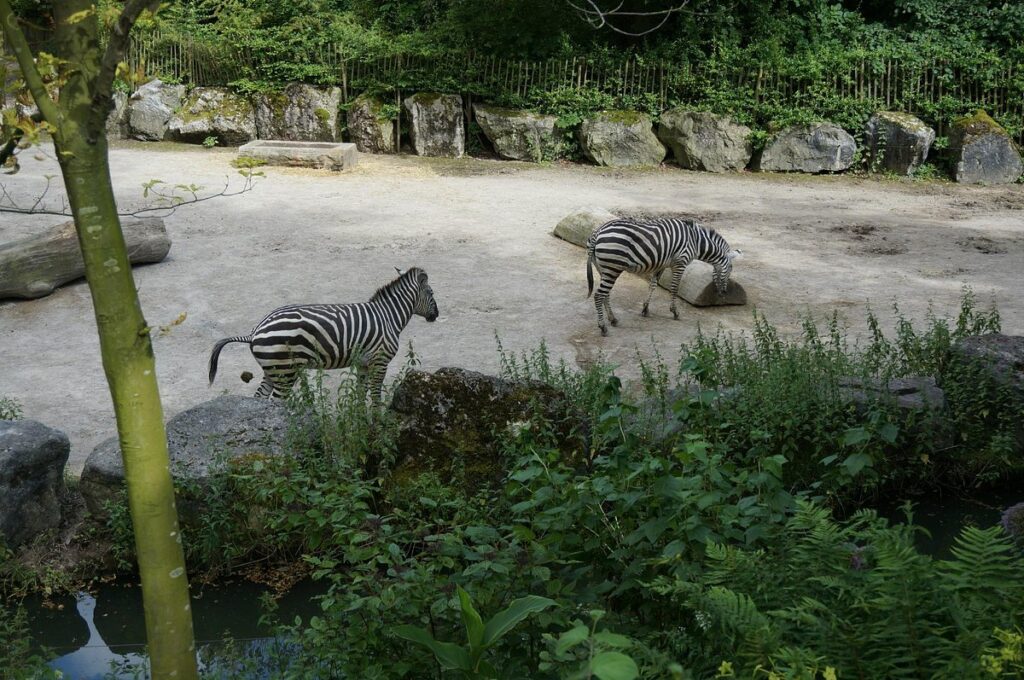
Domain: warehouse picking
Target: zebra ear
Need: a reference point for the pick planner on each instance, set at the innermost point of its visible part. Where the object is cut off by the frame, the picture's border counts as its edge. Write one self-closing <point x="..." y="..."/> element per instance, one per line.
<point x="423" y="278"/>
<point x="398" y="270"/>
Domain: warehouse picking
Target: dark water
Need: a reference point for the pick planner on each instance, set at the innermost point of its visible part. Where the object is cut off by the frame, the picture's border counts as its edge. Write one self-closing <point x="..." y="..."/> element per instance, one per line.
<point x="103" y="634"/>
<point x="944" y="517"/>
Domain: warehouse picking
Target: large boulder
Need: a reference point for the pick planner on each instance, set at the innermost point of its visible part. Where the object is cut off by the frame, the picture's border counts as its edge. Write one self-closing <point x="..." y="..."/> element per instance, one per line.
<point x="436" y="124"/>
<point x="620" y="138"/>
<point x="897" y="142"/>
<point x="993" y="363"/>
<point x="704" y="141"/>
<point x="517" y="134"/>
<point x="814" y="148"/>
<point x="577" y="226"/>
<point x="150" y="109"/>
<point x="369" y="127"/>
<point x="117" y="120"/>
<point x="451" y="421"/>
<point x="199" y="441"/>
<point x="213" y="112"/>
<point x="300" y="113"/>
<point x="983" y="151"/>
<point x="32" y="459"/>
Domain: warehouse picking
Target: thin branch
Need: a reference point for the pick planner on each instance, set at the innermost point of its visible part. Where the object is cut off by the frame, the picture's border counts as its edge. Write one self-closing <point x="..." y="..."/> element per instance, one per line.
<point x="12" y="144"/>
<point x="27" y="63"/>
<point x="8" y="205"/>
<point x="598" y="18"/>
<point x="103" y="86"/>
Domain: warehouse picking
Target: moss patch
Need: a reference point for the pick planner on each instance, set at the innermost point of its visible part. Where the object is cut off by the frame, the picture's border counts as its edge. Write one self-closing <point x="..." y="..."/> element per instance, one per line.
<point x="623" y="117"/>
<point x="976" y="125"/>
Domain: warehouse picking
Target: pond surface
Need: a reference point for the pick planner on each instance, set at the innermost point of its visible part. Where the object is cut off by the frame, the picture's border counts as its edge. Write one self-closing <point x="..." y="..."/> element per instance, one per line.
<point x="103" y="634"/>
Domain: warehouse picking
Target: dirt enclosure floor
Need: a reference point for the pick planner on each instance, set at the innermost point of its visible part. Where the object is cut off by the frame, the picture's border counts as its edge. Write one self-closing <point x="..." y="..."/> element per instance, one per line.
<point x="482" y="230"/>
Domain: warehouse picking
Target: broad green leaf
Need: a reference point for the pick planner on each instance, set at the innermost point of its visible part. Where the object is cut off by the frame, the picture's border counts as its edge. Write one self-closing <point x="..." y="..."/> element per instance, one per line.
<point x="613" y="639"/>
<point x="506" y="620"/>
<point x="449" y="655"/>
<point x="855" y="435"/>
<point x="856" y="462"/>
<point x="470" y="617"/>
<point x="571" y="638"/>
<point x="614" y="666"/>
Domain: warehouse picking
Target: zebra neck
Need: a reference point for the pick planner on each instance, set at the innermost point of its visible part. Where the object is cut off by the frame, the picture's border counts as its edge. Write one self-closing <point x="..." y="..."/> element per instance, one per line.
<point x="397" y="306"/>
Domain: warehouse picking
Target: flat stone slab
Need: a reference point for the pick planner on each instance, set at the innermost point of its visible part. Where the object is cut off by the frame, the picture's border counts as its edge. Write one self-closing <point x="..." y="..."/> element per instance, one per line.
<point x="329" y="155"/>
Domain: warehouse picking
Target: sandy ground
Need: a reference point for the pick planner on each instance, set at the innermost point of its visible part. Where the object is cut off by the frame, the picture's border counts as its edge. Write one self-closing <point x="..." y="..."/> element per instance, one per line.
<point x="481" y="229"/>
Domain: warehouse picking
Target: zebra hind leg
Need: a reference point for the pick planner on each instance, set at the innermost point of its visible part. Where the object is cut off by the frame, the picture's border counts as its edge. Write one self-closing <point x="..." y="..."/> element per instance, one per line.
<point x="277" y="385"/>
<point x="677" y="276"/>
<point x="602" y="300"/>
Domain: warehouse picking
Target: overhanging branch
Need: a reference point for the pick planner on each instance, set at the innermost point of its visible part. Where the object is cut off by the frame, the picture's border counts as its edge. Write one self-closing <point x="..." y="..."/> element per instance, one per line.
<point x="600" y="17"/>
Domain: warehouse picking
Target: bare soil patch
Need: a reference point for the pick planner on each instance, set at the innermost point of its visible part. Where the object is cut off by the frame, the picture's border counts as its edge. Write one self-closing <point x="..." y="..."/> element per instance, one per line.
<point x="481" y="229"/>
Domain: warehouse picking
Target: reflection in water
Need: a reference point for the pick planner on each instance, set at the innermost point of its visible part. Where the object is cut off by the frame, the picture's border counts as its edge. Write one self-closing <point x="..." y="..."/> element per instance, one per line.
<point x="94" y="659"/>
<point x="106" y="639"/>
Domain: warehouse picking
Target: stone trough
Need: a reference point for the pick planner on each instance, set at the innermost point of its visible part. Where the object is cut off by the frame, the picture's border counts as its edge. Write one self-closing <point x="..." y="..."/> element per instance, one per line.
<point x="329" y="155"/>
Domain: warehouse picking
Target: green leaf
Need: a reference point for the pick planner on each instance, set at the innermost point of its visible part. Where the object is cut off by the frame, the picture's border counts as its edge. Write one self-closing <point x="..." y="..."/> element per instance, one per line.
<point x="888" y="432"/>
<point x="506" y="620"/>
<point x="474" y="624"/>
<point x="571" y="638"/>
<point x="855" y="435"/>
<point x="449" y="655"/>
<point x="856" y="462"/>
<point x="614" y="666"/>
<point x="613" y="639"/>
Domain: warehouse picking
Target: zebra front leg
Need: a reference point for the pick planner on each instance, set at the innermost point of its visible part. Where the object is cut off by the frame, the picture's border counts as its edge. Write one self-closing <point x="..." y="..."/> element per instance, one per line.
<point x="650" y="293"/>
<point x="677" y="275"/>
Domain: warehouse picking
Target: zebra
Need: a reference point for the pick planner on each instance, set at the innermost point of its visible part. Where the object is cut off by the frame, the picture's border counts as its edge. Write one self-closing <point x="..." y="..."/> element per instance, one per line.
<point x="648" y="248"/>
<point x="362" y="334"/>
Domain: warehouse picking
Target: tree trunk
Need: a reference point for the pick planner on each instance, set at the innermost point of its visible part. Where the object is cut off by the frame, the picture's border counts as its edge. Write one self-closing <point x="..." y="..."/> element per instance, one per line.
<point x="79" y="138"/>
<point x="33" y="267"/>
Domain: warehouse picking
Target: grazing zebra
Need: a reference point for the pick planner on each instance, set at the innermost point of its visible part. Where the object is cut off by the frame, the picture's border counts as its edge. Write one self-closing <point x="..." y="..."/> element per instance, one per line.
<point x="366" y="334"/>
<point x="648" y="248"/>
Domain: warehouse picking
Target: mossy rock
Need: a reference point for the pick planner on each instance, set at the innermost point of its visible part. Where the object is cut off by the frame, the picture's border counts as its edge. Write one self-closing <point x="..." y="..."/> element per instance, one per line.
<point x="983" y="152"/>
<point x="453" y="420"/>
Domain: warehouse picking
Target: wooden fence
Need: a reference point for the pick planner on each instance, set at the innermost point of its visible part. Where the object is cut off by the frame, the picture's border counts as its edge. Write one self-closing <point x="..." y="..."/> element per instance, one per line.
<point x="923" y="88"/>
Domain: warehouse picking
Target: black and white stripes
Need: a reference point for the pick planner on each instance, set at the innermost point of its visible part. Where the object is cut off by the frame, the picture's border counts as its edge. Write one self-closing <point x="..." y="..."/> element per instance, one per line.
<point x="647" y="248"/>
<point x="363" y="335"/>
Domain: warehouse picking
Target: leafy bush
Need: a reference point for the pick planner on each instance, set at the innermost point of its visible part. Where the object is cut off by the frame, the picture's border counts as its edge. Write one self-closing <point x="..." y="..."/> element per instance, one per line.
<point x="10" y="408"/>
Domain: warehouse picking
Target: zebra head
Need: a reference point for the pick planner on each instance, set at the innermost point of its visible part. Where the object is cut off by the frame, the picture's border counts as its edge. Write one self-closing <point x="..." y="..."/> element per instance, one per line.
<point x="723" y="268"/>
<point x="425" y="304"/>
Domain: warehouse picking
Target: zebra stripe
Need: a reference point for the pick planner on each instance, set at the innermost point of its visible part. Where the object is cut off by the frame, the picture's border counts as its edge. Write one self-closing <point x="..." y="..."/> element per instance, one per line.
<point x="328" y="336"/>
<point x="648" y="248"/>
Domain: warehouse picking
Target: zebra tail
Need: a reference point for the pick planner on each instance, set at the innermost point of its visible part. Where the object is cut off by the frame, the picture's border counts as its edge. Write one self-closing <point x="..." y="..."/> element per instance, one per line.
<point x="590" y="273"/>
<point x="215" y="355"/>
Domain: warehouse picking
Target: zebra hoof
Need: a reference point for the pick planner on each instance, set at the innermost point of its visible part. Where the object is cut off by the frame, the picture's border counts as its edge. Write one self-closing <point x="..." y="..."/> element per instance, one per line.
<point x="675" y="315"/>
<point x="643" y="312"/>
<point x="604" y="330"/>
<point x="615" y="322"/>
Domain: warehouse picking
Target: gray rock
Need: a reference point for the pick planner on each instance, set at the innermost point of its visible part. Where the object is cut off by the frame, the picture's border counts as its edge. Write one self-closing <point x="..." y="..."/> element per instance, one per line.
<point x="32" y="459"/>
<point x="919" y="400"/>
<point x="983" y="151"/>
<point x="818" y="147"/>
<point x="620" y="138"/>
<point x="368" y="128"/>
<point x="436" y="124"/>
<point x="999" y="360"/>
<point x="577" y="227"/>
<point x="213" y="112"/>
<point x="705" y="141"/>
<point x="199" y="440"/>
<point x="301" y="113"/>
<point x="515" y="133"/>
<point x="117" y="121"/>
<point x="150" y="109"/>
<point x="698" y="288"/>
<point x="329" y="155"/>
<point x="897" y="142"/>
<point x="451" y="421"/>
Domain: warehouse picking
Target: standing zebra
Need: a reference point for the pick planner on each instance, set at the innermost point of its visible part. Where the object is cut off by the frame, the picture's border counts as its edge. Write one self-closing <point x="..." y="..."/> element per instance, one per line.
<point x="366" y="334"/>
<point x="648" y="248"/>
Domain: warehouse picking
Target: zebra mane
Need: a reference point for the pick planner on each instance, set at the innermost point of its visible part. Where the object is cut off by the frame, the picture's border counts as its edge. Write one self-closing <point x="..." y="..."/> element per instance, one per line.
<point x="410" y="274"/>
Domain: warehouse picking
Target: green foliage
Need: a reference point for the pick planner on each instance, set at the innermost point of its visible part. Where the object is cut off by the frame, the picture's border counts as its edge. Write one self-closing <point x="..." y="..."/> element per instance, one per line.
<point x="481" y="636"/>
<point x="210" y="141"/>
<point x="10" y="409"/>
<point x="19" y="656"/>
